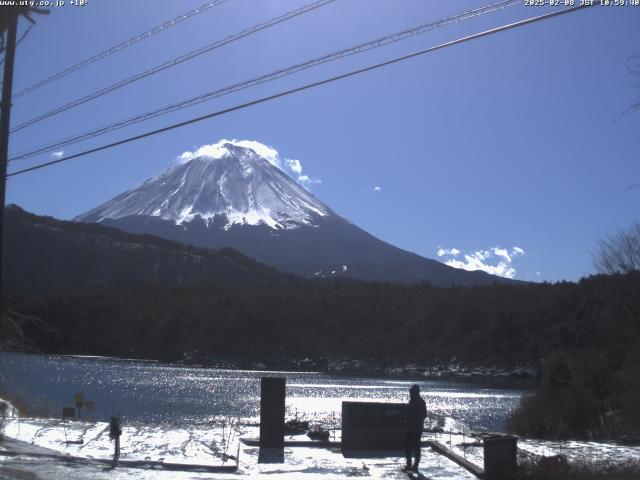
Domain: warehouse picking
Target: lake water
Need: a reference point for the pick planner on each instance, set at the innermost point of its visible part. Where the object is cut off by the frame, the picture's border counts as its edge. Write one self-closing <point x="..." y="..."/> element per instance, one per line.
<point x="196" y="415"/>
<point x="157" y="393"/>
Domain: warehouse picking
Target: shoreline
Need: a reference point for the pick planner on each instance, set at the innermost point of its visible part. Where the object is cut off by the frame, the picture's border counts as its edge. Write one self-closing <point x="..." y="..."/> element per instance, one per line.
<point x="390" y="368"/>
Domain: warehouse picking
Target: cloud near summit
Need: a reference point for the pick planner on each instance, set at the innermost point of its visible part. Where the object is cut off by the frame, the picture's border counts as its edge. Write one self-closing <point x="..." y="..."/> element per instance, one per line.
<point x="218" y="150"/>
<point x="292" y="167"/>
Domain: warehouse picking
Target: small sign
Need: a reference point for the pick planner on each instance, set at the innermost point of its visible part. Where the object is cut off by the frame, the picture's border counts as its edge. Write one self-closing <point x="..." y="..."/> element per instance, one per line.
<point x="79" y="400"/>
<point x="114" y="428"/>
<point x="68" y="412"/>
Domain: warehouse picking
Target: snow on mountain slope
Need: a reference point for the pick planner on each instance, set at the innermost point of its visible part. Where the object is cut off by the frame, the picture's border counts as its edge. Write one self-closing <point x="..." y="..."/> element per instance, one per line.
<point x="237" y="194"/>
<point x="230" y="180"/>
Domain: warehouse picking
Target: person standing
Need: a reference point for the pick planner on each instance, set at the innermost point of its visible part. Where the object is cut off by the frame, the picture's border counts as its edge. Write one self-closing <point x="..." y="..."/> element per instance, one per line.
<point x="416" y="413"/>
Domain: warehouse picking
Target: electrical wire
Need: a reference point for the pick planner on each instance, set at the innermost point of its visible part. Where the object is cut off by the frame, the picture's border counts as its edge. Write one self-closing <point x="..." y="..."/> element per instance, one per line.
<point x="363" y="47"/>
<point x="305" y="87"/>
<point x="121" y="46"/>
<point x="176" y="61"/>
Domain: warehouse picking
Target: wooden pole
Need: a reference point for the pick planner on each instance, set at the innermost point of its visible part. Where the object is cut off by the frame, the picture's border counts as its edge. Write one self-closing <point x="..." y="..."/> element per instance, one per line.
<point x="5" y="117"/>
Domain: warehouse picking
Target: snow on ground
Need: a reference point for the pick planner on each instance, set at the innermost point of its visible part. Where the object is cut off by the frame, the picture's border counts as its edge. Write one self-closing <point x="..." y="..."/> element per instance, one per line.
<point x="138" y="442"/>
<point x="72" y="448"/>
<point x="182" y="445"/>
<point x="583" y="451"/>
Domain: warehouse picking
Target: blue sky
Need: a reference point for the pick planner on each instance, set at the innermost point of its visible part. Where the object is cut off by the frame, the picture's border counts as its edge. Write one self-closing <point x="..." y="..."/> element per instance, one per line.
<point x="515" y="140"/>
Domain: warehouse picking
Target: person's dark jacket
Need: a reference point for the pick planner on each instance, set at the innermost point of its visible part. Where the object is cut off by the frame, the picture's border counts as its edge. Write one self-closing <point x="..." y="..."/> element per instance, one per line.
<point x="416" y="413"/>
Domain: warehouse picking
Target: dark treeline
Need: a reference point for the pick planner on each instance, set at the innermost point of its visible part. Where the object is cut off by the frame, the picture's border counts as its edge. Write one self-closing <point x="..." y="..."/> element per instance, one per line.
<point x="499" y="324"/>
<point x="586" y="335"/>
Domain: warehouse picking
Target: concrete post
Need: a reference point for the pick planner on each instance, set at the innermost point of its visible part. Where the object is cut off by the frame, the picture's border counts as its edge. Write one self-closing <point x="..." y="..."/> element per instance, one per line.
<point x="500" y="457"/>
<point x="272" y="397"/>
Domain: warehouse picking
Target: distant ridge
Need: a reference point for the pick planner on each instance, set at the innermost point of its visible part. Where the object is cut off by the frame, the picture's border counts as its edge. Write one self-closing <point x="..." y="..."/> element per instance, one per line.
<point x="43" y="253"/>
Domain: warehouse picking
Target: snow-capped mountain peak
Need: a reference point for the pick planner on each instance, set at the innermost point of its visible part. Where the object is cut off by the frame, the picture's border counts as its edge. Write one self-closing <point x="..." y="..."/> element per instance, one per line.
<point x="227" y="180"/>
<point x="235" y="193"/>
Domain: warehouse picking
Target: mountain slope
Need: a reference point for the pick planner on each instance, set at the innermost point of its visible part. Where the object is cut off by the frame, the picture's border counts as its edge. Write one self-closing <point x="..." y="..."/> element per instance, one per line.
<point x="43" y="253"/>
<point x="233" y="197"/>
<point x="240" y="185"/>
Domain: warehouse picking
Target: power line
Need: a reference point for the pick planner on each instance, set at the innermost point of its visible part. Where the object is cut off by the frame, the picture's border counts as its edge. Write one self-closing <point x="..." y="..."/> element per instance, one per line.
<point x="24" y="34"/>
<point x="305" y="87"/>
<point x="121" y="46"/>
<point x="176" y="61"/>
<point x="376" y="43"/>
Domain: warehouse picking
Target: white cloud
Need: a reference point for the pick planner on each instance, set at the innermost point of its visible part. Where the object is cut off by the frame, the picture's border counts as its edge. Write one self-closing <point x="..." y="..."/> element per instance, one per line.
<point x="495" y="260"/>
<point x="217" y="150"/>
<point x="502" y="253"/>
<point x="294" y="165"/>
<point x="377" y="189"/>
<point x="306" y="180"/>
<point x="57" y="155"/>
<point x="344" y="268"/>
<point x="265" y="151"/>
<point x="451" y="251"/>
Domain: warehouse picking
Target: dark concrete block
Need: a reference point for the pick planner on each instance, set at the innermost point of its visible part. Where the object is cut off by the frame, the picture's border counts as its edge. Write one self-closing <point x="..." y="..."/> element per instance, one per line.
<point x="500" y="457"/>
<point x="272" y="397"/>
<point x="368" y="426"/>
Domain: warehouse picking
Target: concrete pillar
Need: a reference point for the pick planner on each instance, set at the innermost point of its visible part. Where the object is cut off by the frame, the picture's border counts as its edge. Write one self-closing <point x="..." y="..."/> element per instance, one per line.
<point x="500" y="457"/>
<point x="272" y="396"/>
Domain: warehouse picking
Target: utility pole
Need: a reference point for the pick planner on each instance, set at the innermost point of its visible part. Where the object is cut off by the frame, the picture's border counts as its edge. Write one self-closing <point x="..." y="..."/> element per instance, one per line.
<point x="11" y="26"/>
<point x="9" y="23"/>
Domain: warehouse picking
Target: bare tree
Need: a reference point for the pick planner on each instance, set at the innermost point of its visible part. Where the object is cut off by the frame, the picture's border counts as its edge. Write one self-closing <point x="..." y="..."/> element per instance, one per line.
<point x="634" y="71"/>
<point x="619" y="253"/>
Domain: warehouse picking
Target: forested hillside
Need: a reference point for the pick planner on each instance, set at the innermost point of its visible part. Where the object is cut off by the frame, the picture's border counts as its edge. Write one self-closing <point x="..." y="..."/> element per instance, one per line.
<point x="503" y="324"/>
<point x="43" y="253"/>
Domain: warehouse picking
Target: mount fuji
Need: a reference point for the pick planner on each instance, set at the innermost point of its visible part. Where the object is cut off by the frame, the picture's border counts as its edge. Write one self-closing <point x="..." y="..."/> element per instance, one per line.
<point x="231" y="195"/>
